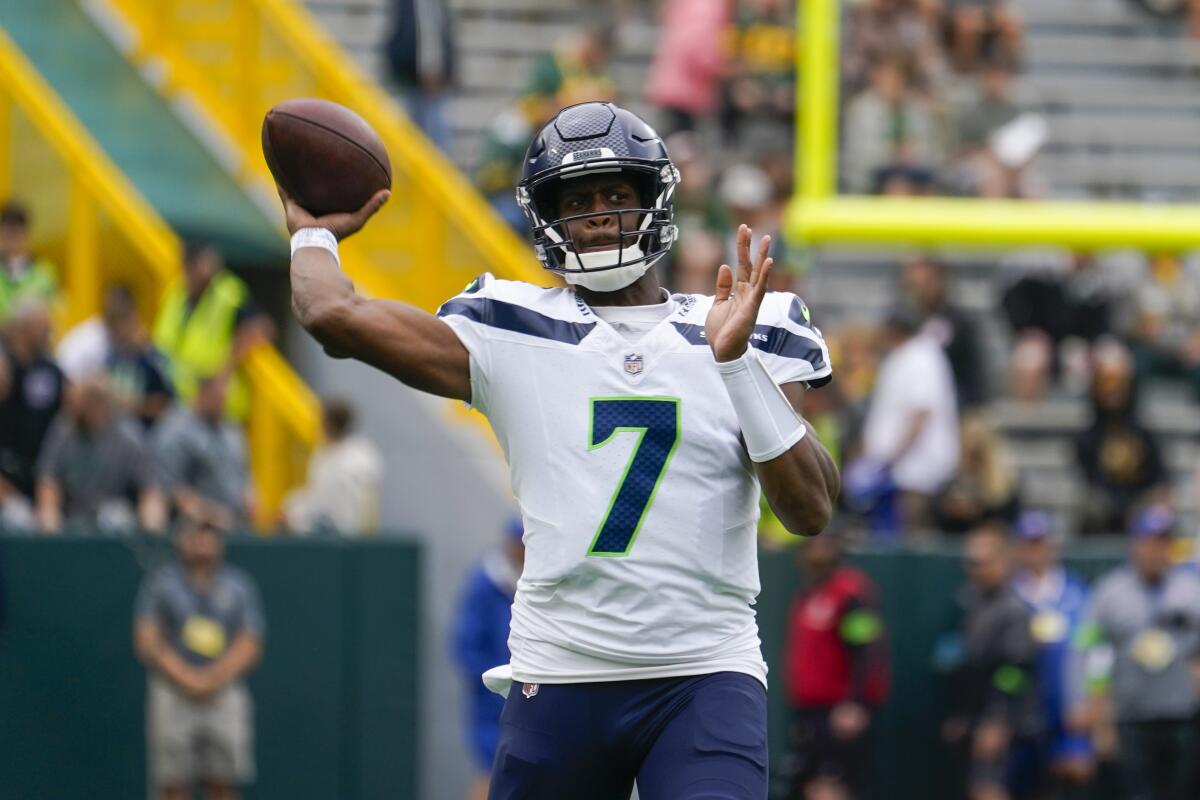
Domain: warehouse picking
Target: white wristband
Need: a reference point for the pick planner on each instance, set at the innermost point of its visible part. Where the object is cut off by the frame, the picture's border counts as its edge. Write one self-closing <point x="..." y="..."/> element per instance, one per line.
<point x="769" y="424"/>
<point x="316" y="237"/>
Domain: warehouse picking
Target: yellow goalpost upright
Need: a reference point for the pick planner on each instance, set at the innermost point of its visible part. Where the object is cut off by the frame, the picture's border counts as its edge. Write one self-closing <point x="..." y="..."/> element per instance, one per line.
<point x="817" y="214"/>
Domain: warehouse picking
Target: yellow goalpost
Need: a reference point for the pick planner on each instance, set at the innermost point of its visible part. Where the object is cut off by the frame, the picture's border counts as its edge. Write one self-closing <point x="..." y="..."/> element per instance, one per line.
<point x="818" y="215"/>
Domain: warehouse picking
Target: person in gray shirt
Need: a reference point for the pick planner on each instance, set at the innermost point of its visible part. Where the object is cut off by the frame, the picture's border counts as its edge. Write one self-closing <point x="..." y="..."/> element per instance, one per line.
<point x="198" y="629"/>
<point x="1138" y="643"/>
<point x="94" y="469"/>
<point x="203" y="458"/>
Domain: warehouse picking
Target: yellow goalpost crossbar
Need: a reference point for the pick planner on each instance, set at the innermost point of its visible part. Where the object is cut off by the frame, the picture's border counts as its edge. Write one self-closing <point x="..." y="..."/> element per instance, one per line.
<point x="818" y="215"/>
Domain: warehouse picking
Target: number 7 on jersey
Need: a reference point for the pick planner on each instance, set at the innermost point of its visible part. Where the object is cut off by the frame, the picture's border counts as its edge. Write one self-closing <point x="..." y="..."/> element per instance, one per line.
<point x="656" y="422"/>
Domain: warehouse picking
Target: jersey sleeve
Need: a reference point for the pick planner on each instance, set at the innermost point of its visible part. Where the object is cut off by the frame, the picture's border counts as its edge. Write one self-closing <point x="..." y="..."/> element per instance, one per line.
<point x="461" y="313"/>
<point x="792" y="348"/>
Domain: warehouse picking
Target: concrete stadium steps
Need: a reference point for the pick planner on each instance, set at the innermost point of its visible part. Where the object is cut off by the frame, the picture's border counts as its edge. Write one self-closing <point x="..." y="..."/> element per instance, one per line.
<point x="1121" y="92"/>
<point x="497" y="41"/>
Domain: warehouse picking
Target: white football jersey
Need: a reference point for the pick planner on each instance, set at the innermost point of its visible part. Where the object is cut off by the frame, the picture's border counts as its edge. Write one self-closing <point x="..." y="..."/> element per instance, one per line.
<point x="639" y="501"/>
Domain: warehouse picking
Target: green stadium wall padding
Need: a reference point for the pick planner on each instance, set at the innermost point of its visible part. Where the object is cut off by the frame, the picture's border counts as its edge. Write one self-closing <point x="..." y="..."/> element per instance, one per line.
<point x="335" y="696"/>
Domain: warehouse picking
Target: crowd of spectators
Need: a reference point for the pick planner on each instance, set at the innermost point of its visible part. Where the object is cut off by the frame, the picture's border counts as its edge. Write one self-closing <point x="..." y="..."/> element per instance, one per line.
<point x="928" y="108"/>
<point x="120" y="427"/>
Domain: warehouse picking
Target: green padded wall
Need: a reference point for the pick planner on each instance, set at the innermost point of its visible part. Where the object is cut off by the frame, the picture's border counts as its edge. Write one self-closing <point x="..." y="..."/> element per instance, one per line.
<point x="335" y="695"/>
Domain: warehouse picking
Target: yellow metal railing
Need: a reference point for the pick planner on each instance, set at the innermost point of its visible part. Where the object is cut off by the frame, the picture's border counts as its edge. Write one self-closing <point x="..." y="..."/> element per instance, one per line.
<point x="91" y="220"/>
<point x="237" y="58"/>
<point x="818" y="215"/>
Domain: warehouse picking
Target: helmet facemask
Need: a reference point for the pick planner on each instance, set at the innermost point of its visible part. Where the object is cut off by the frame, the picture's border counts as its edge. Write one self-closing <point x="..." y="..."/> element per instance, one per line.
<point x="643" y="236"/>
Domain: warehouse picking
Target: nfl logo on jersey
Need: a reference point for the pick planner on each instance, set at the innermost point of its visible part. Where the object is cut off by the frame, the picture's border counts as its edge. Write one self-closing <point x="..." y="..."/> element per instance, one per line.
<point x="530" y="690"/>
<point x="633" y="364"/>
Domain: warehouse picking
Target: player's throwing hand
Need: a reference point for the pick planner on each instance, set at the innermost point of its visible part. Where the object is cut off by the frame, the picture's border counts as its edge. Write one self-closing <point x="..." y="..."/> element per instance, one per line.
<point x="340" y="225"/>
<point x="736" y="300"/>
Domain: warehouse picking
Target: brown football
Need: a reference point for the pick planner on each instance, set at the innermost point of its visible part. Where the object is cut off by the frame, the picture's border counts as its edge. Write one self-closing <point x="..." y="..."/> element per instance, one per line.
<point x="324" y="155"/>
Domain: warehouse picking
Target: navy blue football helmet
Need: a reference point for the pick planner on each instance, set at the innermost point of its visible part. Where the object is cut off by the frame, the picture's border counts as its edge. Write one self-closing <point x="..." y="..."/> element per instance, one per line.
<point x="589" y="138"/>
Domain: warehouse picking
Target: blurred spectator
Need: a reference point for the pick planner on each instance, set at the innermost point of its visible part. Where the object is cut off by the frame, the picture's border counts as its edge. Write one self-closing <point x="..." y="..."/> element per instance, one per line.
<point x="979" y="171"/>
<point x="1056" y="600"/>
<point x="421" y="59"/>
<point x="985" y="488"/>
<point x="1057" y="299"/>
<point x="761" y="75"/>
<point x="899" y="29"/>
<point x="503" y="151"/>
<point x="342" y="493"/>
<point x="576" y="70"/>
<point x="837" y="672"/>
<point x="115" y="343"/>
<point x="688" y="62"/>
<point x="911" y="432"/>
<point x="31" y="395"/>
<point x="746" y="191"/>
<point x="992" y="106"/>
<point x="23" y="276"/>
<point x="1138" y="644"/>
<point x="701" y="217"/>
<point x="980" y="26"/>
<point x="1165" y="334"/>
<point x="207" y="323"/>
<point x="903" y="180"/>
<point x="203" y="458"/>
<point x="887" y="125"/>
<point x="698" y="204"/>
<point x="198" y="629"/>
<point x="480" y="642"/>
<point x="94" y="470"/>
<point x="84" y="350"/>
<point x="924" y="284"/>
<point x="991" y="664"/>
<point x="1120" y="459"/>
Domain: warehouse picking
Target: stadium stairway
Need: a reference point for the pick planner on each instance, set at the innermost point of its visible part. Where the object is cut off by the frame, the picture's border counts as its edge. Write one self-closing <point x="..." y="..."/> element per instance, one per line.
<point x="230" y="62"/>
<point x="497" y="44"/>
<point x="1120" y="91"/>
<point x="127" y="173"/>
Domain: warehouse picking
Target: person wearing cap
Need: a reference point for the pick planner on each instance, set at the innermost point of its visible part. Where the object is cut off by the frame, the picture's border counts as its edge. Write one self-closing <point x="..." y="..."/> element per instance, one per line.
<point x="198" y="629"/>
<point x="1138" y="644"/>
<point x="1056" y="600"/>
<point x="479" y="642"/>
<point x="911" y="431"/>
<point x="836" y="672"/>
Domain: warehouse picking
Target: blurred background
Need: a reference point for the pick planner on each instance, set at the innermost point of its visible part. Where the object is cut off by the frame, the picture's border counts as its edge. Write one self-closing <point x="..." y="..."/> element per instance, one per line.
<point x="1007" y="367"/>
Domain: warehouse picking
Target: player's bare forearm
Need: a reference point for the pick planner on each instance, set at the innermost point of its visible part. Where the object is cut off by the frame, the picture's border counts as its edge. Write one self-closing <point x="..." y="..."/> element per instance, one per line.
<point x="802" y="484"/>
<point x="406" y="342"/>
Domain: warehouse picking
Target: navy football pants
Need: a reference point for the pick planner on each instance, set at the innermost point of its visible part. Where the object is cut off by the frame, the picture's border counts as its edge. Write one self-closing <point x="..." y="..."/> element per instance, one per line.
<point x="696" y="738"/>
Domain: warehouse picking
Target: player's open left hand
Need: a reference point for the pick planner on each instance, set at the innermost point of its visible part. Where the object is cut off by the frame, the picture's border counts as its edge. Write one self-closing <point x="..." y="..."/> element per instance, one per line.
<point x="737" y="299"/>
<point x="340" y="225"/>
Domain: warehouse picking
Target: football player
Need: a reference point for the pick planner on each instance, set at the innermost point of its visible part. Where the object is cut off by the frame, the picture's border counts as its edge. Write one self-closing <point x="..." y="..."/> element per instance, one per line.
<point x="638" y="427"/>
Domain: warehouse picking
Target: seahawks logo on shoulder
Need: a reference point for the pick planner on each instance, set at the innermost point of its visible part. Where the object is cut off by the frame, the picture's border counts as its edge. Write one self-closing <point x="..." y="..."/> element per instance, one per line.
<point x="474" y="286"/>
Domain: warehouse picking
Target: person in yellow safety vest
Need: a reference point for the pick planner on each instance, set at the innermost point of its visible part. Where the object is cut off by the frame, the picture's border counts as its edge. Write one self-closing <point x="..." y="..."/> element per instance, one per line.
<point x="22" y="275"/>
<point x="206" y="324"/>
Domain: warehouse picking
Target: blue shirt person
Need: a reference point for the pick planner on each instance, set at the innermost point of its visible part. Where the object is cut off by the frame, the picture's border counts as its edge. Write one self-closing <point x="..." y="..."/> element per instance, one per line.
<point x="1056" y="600"/>
<point x="480" y="639"/>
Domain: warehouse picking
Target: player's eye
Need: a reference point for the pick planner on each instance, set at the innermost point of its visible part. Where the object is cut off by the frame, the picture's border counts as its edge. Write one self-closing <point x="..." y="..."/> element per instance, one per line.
<point x="618" y="198"/>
